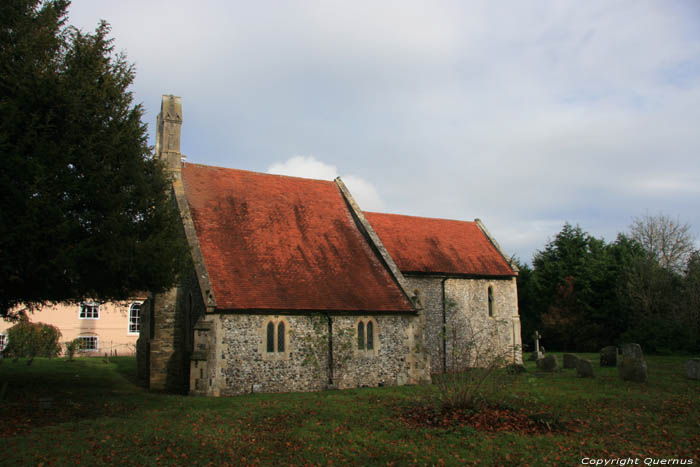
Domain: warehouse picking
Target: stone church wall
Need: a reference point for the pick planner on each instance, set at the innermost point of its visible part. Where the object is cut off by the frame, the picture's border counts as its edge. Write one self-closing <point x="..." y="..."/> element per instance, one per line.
<point x="164" y="352"/>
<point x="467" y="316"/>
<point x="237" y="360"/>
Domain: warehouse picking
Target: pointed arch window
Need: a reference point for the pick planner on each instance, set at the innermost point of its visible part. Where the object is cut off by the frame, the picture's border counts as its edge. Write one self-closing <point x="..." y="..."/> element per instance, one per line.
<point x="490" y="298"/>
<point x="276" y="336"/>
<point x="270" y="336"/>
<point x="280" y="336"/>
<point x="366" y="335"/>
<point x="370" y="335"/>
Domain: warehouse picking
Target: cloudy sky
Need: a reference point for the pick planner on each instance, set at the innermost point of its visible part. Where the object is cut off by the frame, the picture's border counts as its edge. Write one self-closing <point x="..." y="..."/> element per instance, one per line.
<point x="523" y="114"/>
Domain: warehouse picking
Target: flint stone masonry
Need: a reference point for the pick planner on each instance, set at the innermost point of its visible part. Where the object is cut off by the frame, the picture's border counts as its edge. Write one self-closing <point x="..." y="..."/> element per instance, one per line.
<point x="570" y="360"/>
<point x="548" y="363"/>
<point x="467" y="308"/>
<point x="245" y="365"/>
<point x="692" y="368"/>
<point x="608" y="356"/>
<point x="634" y="369"/>
<point x="632" y="350"/>
<point x="584" y="368"/>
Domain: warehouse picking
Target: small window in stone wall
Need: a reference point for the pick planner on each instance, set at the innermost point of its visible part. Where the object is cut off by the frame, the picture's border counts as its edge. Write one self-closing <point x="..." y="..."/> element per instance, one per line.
<point x="490" y="293"/>
<point x="365" y="335"/>
<point x="275" y="343"/>
<point x="370" y="336"/>
<point x="280" y="337"/>
<point x="270" y="336"/>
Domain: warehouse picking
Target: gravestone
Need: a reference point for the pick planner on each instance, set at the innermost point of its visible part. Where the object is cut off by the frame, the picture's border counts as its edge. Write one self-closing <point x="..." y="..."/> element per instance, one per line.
<point x="608" y="356"/>
<point x="692" y="368"/>
<point x="632" y="350"/>
<point x="584" y="368"/>
<point x="537" y="354"/>
<point x="570" y="360"/>
<point x="634" y="369"/>
<point x="548" y="363"/>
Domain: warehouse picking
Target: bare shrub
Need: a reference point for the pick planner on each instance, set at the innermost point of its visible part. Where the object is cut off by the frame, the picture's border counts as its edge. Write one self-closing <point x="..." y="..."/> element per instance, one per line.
<point x="477" y="357"/>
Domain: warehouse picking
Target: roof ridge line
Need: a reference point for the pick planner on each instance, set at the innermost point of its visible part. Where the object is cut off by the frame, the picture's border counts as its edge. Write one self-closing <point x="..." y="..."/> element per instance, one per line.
<point x="368" y="232"/>
<point x="495" y="244"/>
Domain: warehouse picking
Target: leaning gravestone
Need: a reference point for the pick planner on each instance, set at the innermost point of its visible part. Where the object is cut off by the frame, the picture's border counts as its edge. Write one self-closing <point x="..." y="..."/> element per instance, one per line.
<point x="634" y="369"/>
<point x="548" y="363"/>
<point x="633" y="351"/>
<point x="692" y="368"/>
<point x="570" y="360"/>
<point x="608" y="356"/>
<point x="584" y="368"/>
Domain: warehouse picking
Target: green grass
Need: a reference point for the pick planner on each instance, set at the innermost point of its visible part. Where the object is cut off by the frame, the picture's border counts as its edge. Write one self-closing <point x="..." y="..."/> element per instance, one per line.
<point x="99" y="415"/>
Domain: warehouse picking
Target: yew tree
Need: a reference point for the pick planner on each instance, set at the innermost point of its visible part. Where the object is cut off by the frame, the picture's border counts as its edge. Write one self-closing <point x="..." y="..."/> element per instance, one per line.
<point x="84" y="207"/>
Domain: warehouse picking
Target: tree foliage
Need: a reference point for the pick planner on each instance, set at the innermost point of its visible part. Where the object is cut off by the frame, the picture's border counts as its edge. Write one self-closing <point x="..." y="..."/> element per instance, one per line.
<point x="84" y="207"/>
<point x="26" y="339"/>
<point x="583" y="294"/>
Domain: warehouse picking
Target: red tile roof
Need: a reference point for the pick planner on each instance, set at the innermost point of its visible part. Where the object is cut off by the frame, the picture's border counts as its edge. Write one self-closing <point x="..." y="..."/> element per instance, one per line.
<point x="424" y="245"/>
<point x="284" y="243"/>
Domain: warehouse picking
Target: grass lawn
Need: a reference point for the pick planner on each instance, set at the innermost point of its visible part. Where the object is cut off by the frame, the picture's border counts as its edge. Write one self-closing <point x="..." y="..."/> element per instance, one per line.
<point x="99" y="415"/>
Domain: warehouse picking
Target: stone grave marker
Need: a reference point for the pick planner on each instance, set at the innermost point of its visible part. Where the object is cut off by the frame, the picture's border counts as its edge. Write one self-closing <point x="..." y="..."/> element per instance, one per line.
<point x="632" y="350"/>
<point x="584" y="368"/>
<point x="608" y="356"/>
<point x="634" y="369"/>
<point x="570" y="360"/>
<point x="536" y="355"/>
<point x="692" y="368"/>
<point x="548" y="363"/>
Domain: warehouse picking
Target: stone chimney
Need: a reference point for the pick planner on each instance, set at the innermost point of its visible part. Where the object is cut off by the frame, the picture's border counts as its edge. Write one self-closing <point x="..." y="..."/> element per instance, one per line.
<point x="169" y="124"/>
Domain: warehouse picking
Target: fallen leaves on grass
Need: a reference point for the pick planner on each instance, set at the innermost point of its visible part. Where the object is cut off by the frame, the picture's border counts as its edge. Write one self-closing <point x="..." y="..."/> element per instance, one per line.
<point x="488" y="419"/>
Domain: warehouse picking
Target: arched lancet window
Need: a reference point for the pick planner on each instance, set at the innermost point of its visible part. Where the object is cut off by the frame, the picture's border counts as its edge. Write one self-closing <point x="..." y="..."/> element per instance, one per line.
<point x="361" y="335"/>
<point x="490" y="301"/>
<point x="280" y="337"/>
<point x="270" y="337"/>
<point x="370" y="335"/>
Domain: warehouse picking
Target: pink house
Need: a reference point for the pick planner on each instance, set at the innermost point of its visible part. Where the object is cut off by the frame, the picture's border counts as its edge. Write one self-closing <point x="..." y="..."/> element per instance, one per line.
<point x="110" y="328"/>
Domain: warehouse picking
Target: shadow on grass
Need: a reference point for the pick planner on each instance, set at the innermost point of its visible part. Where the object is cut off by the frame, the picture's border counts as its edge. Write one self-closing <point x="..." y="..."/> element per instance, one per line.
<point x="126" y="367"/>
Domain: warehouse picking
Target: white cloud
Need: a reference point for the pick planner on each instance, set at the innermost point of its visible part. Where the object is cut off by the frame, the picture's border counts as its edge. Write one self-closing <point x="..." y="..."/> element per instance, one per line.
<point x="363" y="191"/>
<point x="304" y="166"/>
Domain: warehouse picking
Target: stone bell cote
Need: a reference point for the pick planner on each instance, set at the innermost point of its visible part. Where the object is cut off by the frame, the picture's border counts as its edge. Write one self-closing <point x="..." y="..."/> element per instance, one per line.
<point x="169" y="124"/>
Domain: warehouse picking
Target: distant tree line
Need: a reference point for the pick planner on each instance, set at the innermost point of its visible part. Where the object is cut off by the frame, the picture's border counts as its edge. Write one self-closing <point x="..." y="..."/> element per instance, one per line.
<point x="582" y="293"/>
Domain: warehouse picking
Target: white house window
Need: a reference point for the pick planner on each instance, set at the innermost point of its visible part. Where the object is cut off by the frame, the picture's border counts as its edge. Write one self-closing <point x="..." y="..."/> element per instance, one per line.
<point x="135" y="318"/>
<point x="88" y="343"/>
<point x="3" y="342"/>
<point x="89" y="310"/>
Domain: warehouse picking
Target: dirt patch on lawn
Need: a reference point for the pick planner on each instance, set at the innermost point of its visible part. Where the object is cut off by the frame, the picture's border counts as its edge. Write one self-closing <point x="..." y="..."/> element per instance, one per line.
<point x="488" y="419"/>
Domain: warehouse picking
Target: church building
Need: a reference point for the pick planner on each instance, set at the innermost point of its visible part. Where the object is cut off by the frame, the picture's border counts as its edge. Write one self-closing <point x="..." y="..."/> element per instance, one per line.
<point x="292" y="287"/>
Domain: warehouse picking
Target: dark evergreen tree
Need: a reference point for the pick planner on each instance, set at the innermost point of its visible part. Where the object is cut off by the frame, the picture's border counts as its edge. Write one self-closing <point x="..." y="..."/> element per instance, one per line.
<point x="84" y="207"/>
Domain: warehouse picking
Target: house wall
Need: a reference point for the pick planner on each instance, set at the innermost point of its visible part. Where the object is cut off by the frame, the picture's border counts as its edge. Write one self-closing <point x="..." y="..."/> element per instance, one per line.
<point x="231" y="355"/>
<point x="468" y="323"/>
<point x="111" y="328"/>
